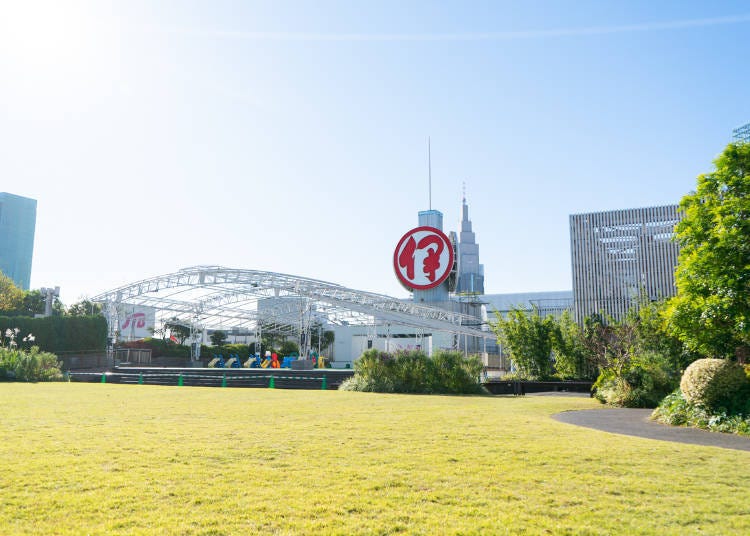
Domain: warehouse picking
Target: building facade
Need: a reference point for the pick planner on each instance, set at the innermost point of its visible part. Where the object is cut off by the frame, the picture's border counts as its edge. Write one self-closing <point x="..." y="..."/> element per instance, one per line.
<point x="619" y="256"/>
<point x="470" y="272"/>
<point x="741" y="134"/>
<point x="17" y="226"/>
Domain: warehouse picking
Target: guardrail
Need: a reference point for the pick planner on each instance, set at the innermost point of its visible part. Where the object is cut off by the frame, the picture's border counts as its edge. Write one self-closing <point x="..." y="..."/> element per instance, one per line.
<point x="521" y="387"/>
<point x="271" y="381"/>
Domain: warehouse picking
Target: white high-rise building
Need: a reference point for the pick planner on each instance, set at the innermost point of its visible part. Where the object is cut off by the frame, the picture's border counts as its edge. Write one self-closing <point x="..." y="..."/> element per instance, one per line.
<point x="619" y="256"/>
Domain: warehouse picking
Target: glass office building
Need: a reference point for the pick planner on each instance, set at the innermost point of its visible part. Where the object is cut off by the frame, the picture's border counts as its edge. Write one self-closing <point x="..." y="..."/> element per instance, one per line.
<point x="17" y="224"/>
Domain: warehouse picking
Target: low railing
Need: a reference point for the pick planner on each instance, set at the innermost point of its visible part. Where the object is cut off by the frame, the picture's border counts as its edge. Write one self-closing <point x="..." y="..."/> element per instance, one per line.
<point x="225" y="379"/>
<point x="521" y="387"/>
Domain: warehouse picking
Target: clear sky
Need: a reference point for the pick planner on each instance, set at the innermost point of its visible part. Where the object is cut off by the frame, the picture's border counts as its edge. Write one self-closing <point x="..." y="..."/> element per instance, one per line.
<point x="292" y="136"/>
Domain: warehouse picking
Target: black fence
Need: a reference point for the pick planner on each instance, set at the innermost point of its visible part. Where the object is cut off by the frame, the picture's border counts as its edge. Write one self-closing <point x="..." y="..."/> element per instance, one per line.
<point x="325" y="379"/>
<point x="518" y="387"/>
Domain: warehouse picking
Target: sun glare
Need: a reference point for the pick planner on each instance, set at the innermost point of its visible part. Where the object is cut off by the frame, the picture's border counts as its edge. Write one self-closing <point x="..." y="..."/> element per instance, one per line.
<point x="41" y="34"/>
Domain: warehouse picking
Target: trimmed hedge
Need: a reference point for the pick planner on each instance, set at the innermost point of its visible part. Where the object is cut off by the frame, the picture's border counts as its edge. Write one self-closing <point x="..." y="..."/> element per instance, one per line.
<point x="714" y="383"/>
<point x="61" y="334"/>
<point x="167" y="348"/>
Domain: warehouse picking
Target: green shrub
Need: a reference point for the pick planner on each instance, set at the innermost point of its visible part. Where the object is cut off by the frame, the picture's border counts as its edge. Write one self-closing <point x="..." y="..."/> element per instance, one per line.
<point x="242" y="350"/>
<point x="674" y="410"/>
<point x="714" y="384"/>
<point x="677" y="411"/>
<point x="415" y="372"/>
<point x="456" y="373"/>
<point x="29" y="365"/>
<point x="643" y="384"/>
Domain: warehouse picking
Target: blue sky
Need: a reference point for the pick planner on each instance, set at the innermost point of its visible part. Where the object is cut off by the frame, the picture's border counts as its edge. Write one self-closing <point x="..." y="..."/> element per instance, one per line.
<point x="292" y="136"/>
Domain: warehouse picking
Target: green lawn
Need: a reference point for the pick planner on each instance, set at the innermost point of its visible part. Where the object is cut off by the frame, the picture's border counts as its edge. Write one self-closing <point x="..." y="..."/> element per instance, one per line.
<point x="112" y="459"/>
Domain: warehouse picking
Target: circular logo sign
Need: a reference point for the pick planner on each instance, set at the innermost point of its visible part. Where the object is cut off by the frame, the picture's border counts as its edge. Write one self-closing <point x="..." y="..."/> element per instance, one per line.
<point x="423" y="258"/>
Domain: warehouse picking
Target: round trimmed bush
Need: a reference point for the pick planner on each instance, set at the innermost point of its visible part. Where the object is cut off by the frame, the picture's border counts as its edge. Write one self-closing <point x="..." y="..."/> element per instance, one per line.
<point x="713" y="383"/>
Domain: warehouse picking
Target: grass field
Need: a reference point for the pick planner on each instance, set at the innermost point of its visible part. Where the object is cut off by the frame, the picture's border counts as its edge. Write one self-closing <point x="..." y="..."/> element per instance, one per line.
<point x="113" y="459"/>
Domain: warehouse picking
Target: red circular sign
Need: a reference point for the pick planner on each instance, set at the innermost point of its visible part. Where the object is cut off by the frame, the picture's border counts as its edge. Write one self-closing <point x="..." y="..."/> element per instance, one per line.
<point x="423" y="258"/>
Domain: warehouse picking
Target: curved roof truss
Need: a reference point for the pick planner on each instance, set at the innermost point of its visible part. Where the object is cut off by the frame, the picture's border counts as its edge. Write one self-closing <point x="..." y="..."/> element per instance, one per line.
<point x="220" y="298"/>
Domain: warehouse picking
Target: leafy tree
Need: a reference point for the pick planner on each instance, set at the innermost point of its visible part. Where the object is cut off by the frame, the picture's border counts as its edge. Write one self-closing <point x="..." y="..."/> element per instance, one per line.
<point x="33" y="303"/>
<point x="318" y="334"/>
<point x="654" y="337"/>
<point x="218" y="338"/>
<point x="527" y="336"/>
<point x="572" y="359"/>
<point x="711" y="312"/>
<point x="11" y="297"/>
<point x="611" y="345"/>
<point x="84" y="307"/>
<point x="179" y="330"/>
<point x="288" y="348"/>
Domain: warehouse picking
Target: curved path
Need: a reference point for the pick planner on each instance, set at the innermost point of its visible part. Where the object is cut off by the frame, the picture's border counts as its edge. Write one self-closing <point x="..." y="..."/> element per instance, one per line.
<point x="635" y="422"/>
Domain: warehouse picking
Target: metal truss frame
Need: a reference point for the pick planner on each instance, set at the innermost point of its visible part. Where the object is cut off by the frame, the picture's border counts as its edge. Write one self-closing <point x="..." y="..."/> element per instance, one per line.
<point x="222" y="298"/>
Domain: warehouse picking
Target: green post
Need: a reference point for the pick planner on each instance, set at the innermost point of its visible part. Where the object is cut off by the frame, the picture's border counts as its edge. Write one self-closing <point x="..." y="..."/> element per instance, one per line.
<point x="179" y="380"/>
<point x="271" y="383"/>
<point x="140" y="379"/>
<point x="104" y="378"/>
<point x="224" y="380"/>
<point x="325" y="383"/>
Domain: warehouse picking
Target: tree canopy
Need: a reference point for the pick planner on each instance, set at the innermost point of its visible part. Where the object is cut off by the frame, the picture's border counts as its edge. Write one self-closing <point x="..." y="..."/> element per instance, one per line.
<point x="218" y="338"/>
<point x="84" y="307"/>
<point x="528" y="341"/>
<point x="11" y="297"/>
<point x="178" y="330"/>
<point x="711" y="312"/>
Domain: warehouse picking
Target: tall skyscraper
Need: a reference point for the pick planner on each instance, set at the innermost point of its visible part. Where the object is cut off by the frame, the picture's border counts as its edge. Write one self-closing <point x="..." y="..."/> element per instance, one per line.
<point x="470" y="272"/>
<point x="621" y="255"/>
<point x="17" y="225"/>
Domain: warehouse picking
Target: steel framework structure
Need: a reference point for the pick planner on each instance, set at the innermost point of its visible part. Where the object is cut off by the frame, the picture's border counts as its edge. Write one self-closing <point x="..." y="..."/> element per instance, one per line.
<point x="742" y="134"/>
<point x="221" y="298"/>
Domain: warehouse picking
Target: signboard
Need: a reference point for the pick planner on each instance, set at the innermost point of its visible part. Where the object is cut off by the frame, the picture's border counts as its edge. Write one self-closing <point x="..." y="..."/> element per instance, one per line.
<point x="136" y="322"/>
<point x="423" y="258"/>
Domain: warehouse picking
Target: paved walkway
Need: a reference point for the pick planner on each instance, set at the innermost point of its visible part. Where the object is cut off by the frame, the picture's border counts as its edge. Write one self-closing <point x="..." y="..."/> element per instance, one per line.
<point x="635" y="422"/>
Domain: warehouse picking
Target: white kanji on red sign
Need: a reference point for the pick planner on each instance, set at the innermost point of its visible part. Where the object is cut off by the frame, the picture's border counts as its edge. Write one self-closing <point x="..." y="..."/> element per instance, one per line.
<point x="423" y="258"/>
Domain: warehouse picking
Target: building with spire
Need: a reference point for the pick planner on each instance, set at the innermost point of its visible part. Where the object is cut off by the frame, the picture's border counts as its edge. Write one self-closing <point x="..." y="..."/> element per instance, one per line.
<point x="470" y="272"/>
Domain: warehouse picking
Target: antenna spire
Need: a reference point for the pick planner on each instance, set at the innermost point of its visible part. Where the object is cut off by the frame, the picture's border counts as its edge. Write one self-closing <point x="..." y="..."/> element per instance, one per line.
<point x="429" y="172"/>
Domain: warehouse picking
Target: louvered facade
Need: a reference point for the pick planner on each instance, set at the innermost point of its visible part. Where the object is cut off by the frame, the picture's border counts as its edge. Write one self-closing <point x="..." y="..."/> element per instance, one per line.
<point x="618" y="255"/>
